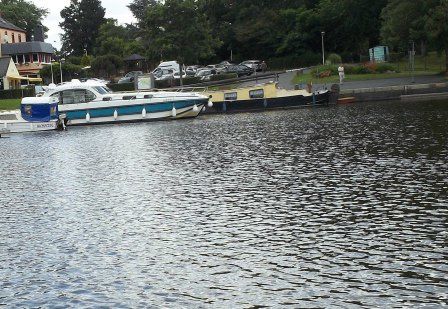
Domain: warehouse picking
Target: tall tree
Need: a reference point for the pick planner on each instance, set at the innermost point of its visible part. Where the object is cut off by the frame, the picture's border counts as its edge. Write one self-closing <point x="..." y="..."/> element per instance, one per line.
<point x="81" y="24"/>
<point x="405" y="20"/>
<point x="23" y="14"/>
<point x="437" y="26"/>
<point x="117" y="40"/>
<point x="177" y="30"/>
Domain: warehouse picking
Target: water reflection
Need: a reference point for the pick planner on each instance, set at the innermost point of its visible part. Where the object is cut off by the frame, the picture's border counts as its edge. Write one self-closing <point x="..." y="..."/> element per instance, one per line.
<point x="343" y="206"/>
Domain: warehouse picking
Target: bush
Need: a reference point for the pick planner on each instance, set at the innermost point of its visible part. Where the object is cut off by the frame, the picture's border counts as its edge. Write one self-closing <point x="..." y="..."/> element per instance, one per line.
<point x="122" y="87"/>
<point x="334" y="59"/>
<point x="324" y="68"/>
<point x="74" y="60"/>
<point x="223" y="77"/>
<point x="17" y="93"/>
<point x="107" y="65"/>
<point x="385" y="67"/>
<point x="357" y="69"/>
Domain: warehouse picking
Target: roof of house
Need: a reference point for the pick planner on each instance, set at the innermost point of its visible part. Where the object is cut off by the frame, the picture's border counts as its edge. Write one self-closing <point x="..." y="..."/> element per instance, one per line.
<point x="7" y="25"/>
<point x="27" y="47"/>
<point x="4" y="65"/>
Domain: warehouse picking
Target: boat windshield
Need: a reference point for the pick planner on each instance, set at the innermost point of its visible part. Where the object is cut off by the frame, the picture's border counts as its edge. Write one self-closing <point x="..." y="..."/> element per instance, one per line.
<point x="103" y="89"/>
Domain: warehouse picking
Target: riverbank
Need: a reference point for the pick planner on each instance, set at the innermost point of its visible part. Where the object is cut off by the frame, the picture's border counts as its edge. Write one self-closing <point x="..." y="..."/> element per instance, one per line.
<point x="304" y="78"/>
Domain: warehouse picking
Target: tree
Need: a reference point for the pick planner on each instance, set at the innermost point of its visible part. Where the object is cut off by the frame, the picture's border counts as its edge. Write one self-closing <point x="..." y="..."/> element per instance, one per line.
<point x="23" y="14"/>
<point x="437" y="25"/>
<point x="178" y="30"/>
<point x="139" y="8"/>
<point x="82" y="20"/>
<point x="405" y="20"/>
<point x="108" y="65"/>
<point x="69" y="71"/>
<point x="117" y="39"/>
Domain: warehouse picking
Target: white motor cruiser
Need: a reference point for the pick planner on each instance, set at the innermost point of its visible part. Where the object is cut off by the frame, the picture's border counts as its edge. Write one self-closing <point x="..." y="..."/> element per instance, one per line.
<point x="91" y="102"/>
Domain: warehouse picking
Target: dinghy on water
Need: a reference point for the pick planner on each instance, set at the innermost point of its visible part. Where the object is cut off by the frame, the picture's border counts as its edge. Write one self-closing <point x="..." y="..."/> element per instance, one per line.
<point x="35" y="114"/>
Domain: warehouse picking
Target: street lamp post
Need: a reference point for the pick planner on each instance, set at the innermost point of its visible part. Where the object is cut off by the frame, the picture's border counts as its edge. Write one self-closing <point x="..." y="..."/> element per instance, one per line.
<point x="412" y="60"/>
<point x="323" y="48"/>
<point x="60" y="67"/>
<point x="51" y="67"/>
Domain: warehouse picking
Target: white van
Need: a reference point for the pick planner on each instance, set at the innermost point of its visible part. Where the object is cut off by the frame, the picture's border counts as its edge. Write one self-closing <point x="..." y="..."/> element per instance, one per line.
<point x="168" y="65"/>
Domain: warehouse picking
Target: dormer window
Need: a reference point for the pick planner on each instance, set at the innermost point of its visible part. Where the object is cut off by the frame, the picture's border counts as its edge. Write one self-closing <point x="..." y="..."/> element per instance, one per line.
<point x="20" y="37"/>
<point x="13" y="37"/>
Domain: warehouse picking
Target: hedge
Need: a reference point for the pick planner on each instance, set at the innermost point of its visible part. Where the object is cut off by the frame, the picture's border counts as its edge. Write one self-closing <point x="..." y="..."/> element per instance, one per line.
<point x="368" y="68"/>
<point x="17" y="93"/>
<point x="223" y="77"/>
<point x="122" y="87"/>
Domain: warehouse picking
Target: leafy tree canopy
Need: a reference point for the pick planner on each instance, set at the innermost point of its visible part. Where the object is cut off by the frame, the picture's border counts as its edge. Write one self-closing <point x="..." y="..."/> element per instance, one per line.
<point x="24" y="14"/>
<point x="176" y="29"/>
<point x="81" y="22"/>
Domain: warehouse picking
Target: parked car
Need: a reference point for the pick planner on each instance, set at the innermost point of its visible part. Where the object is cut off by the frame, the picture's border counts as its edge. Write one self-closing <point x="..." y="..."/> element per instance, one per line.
<point x="176" y="75"/>
<point x="205" y="74"/>
<point x="225" y="63"/>
<point x="254" y="64"/>
<point x="163" y="74"/>
<point x="130" y="77"/>
<point x="191" y="70"/>
<point x="240" y="70"/>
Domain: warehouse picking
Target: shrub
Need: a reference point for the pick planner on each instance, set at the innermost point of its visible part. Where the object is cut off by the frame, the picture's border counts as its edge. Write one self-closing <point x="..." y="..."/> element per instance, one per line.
<point x="107" y="65"/>
<point x="122" y="87"/>
<point x="17" y="93"/>
<point x="334" y="59"/>
<point x="223" y="77"/>
<point x="385" y="67"/>
<point x="357" y="69"/>
<point x="323" y="68"/>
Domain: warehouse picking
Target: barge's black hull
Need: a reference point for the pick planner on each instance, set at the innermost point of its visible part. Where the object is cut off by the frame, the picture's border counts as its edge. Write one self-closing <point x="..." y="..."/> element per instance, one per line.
<point x="268" y="103"/>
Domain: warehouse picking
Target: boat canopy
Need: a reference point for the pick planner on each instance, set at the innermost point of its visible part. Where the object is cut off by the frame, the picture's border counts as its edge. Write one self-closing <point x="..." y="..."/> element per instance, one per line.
<point x="39" y="109"/>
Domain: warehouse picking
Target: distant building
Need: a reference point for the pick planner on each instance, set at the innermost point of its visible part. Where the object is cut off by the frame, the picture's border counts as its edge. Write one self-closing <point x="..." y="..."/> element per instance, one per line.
<point x="9" y="75"/>
<point x="10" y="33"/>
<point x="29" y="57"/>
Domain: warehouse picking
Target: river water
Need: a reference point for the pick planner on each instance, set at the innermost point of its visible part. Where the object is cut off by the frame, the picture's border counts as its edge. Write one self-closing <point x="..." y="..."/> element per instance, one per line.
<point x="330" y="207"/>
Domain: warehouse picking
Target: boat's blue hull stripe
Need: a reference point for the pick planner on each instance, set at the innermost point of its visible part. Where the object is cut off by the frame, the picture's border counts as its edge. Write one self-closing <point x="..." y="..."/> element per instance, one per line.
<point x="132" y="109"/>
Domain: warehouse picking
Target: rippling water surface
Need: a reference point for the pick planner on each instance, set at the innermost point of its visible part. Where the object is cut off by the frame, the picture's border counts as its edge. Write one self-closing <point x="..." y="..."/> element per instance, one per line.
<point x="342" y="206"/>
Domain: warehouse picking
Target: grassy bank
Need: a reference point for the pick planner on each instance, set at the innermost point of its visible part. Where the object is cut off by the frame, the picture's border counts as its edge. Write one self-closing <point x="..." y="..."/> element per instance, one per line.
<point x="305" y="78"/>
<point x="9" y="104"/>
<point x="431" y="64"/>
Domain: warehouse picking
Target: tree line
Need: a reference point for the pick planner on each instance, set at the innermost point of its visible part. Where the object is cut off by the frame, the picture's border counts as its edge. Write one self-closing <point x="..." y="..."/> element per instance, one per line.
<point x="282" y="31"/>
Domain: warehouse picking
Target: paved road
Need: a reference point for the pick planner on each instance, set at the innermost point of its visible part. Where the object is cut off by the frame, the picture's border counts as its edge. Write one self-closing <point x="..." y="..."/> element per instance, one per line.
<point x="285" y="81"/>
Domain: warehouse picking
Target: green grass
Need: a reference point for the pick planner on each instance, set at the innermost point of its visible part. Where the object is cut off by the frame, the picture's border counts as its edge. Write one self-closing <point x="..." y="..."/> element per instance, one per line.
<point x="9" y="104"/>
<point x="431" y="64"/>
<point x="305" y="78"/>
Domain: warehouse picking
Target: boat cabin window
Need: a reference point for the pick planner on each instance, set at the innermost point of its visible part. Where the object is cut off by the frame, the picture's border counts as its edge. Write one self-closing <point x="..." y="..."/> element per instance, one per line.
<point x="102" y="90"/>
<point x="231" y="96"/>
<point x="74" y="96"/>
<point x="256" y="94"/>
